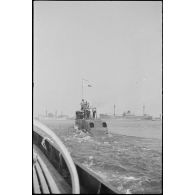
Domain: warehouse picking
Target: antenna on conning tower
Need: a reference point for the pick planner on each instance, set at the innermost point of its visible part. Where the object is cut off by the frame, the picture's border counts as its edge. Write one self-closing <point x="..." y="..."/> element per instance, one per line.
<point x="114" y="109"/>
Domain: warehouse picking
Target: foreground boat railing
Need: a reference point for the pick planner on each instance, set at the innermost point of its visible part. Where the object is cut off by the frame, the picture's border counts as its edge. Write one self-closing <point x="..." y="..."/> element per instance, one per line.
<point x="43" y="181"/>
<point x="63" y="151"/>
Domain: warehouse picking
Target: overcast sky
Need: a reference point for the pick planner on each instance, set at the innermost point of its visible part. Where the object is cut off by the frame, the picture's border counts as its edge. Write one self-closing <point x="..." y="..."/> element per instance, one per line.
<point x="117" y="46"/>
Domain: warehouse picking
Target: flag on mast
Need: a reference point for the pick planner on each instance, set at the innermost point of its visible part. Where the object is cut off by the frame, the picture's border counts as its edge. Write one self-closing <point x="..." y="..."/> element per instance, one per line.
<point x="86" y="83"/>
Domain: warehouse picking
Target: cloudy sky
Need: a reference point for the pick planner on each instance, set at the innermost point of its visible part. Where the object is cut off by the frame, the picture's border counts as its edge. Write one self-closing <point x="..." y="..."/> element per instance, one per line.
<point x="117" y="46"/>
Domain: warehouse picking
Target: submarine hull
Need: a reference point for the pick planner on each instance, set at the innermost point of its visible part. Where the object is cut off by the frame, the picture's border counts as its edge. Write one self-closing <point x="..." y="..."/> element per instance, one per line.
<point x="93" y="127"/>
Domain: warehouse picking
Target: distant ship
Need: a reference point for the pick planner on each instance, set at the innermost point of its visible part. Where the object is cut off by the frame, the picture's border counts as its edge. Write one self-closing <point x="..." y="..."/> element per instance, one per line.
<point x="147" y="117"/>
<point x="106" y="116"/>
<point x="127" y="115"/>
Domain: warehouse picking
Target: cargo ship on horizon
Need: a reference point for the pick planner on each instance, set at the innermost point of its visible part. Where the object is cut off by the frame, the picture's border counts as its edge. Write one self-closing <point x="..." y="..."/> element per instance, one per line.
<point x="130" y="116"/>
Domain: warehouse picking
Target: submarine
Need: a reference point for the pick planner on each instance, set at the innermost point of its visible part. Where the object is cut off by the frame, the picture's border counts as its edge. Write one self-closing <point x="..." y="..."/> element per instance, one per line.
<point x="87" y="121"/>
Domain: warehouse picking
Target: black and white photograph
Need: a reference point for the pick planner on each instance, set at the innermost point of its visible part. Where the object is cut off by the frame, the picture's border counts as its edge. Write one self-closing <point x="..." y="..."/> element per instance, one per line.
<point x="97" y="97"/>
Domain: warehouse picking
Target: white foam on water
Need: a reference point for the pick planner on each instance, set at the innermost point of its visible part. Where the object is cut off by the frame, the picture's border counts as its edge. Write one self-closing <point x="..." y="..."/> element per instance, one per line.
<point x="82" y="137"/>
<point x="76" y="127"/>
<point x="120" y="188"/>
<point x="129" y="178"/>
<point x="99" y="173"/>
<point x="87" y="138"/>
<point x="128" y="191"/>
<point x="90" y="157"/>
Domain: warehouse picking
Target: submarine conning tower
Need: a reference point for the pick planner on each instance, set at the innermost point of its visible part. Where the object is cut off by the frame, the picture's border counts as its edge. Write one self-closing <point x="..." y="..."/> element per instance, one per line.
<point x="87" y="121"/>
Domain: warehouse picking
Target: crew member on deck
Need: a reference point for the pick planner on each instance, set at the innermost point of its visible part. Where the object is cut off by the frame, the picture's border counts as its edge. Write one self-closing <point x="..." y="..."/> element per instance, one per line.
<point x="94" y="113"/>
<point x="82" y="104"/>
<point x="88" y="114"/>
<point x="87" y="105"/>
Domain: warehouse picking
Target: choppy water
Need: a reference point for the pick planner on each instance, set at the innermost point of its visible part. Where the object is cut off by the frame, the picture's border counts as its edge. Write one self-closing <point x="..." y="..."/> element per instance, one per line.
<point x="129" y="157"/>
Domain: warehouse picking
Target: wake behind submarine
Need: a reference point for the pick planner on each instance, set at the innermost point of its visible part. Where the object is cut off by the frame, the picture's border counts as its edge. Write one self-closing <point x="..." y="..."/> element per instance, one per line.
<point x="87" y="121"/>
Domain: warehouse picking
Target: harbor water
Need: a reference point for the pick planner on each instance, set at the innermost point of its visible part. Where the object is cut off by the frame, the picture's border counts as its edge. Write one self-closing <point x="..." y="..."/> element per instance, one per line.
<point x="129" y="157"/>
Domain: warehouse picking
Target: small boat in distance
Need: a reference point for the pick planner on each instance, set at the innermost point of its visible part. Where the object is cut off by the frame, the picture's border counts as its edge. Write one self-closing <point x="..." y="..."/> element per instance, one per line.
<point x="87" y="121"/>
